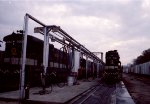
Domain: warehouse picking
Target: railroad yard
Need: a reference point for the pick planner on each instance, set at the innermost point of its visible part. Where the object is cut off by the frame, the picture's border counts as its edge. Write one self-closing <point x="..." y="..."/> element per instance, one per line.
<point x="35" y="71"/>
<point x="138" y="87"/>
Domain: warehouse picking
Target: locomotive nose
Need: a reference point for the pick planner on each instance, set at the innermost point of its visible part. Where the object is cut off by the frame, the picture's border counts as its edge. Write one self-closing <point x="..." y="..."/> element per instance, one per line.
<point x="111" y="62"/>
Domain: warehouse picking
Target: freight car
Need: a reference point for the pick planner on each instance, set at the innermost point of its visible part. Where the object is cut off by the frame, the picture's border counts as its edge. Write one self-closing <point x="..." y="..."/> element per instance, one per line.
<point x="113" y="71"/>
<point x="58" y="61"/>
<point x="140" y="69"/>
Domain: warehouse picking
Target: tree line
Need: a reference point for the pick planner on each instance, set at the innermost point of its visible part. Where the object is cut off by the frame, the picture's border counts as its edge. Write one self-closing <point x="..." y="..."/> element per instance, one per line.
<point x="144" y="57"/>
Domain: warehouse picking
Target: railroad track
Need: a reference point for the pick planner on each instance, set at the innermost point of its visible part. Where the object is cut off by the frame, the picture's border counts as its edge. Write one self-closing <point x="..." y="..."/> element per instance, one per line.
<point x="142" y="79"/>
<point x="99" y="94"/>
<point x="83" y="96"/>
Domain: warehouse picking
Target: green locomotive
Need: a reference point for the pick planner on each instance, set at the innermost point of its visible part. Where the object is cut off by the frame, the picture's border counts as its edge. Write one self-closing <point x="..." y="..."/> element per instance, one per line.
<point x="113" y="70"/>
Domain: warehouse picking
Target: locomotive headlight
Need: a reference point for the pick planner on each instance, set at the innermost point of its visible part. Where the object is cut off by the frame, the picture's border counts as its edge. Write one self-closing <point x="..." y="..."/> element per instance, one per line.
<point x="14" y="51"/>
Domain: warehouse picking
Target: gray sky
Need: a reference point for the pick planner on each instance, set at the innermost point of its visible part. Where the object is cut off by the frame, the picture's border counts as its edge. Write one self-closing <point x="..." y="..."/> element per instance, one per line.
<point x="100" y="25"/>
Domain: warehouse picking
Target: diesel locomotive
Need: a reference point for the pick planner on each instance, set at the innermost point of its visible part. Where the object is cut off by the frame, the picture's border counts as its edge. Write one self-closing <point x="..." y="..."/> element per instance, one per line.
<point x="11" y="62"/>
<point x="113" y="71"/>
<point x="58" y="61"/>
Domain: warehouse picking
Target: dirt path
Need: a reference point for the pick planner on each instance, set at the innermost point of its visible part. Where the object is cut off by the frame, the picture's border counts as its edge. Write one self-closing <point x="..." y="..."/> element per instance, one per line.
<point x="138" y="87"/>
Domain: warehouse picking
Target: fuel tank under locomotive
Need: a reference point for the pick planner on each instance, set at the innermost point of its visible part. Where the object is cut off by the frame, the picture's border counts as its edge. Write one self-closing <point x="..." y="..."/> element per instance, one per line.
<point x="113" y="70"/>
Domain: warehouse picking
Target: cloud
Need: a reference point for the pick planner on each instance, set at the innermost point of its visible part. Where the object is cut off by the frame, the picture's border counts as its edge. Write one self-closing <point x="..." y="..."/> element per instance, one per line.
<point x="100" y="25"/>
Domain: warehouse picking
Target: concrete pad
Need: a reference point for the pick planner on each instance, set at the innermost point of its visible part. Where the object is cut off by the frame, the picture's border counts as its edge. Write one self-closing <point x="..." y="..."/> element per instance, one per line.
<point x="58" y="95"/>
<point x="63" y="95"/>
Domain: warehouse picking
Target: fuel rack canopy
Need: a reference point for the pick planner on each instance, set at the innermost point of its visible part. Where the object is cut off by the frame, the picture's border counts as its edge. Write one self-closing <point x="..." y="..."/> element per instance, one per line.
<point x="55" y="33"/>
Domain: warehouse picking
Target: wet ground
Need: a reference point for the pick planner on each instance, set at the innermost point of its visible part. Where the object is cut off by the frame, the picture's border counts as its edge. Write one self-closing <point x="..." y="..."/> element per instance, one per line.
<point x="93" y="92"/>
<point x="138" y="87"/>
<point x="106" y="94"/>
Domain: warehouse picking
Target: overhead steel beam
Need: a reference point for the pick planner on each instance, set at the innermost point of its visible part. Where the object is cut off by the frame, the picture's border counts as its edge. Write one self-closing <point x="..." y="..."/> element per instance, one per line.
<point x="57" y="29"/>
<point x="78" y="44"/>
<point x="34" y="19"/>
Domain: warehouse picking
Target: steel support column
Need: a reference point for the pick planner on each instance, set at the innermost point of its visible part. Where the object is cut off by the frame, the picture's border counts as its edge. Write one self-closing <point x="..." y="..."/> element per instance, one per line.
<point x="93" y="69"/>
<point x="98" y="68"/>
<point x="45" y="50"/>
<point x="45" y="59"/>
<point x="76" y="64"/>
<point x="22" y="70"/>
<point x="86" y="67"/>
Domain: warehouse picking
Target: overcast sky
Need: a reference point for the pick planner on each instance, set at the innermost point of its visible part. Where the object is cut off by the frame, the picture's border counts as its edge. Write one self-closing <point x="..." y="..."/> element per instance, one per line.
<point x="100" y="25"/>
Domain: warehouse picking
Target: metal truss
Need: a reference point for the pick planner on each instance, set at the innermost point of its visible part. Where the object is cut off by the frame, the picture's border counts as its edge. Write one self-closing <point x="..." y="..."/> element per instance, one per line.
<point x="55" y="33"/>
